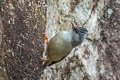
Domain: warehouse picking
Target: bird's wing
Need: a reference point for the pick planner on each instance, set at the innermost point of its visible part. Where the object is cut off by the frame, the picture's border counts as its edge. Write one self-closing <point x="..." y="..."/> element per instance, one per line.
<point x="53" y="62"/>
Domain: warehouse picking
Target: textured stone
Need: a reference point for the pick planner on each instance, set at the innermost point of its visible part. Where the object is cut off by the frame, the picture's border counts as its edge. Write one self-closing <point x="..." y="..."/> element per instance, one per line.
<point x="23" y="41"/>
<point x="83" y="62"/>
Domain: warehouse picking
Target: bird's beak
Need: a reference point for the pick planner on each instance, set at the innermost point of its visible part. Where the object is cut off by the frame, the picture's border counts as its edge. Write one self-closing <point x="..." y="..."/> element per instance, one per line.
<point x="73" y="27"/>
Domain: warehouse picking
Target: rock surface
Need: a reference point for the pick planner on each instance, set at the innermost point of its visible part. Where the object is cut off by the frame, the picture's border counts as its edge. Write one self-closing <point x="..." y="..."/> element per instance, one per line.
<point x="23" y="41"/>
<point x="98" y="57"/>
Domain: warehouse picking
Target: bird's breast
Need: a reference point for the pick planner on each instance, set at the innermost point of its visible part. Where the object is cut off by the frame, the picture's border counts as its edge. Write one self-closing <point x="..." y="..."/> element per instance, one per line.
<point x="58" y="48"/>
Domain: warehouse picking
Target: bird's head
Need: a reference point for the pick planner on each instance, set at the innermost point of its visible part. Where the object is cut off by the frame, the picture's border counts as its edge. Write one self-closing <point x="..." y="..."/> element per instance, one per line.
<point x="78" y="35"/>
<point x="79" y="30"/>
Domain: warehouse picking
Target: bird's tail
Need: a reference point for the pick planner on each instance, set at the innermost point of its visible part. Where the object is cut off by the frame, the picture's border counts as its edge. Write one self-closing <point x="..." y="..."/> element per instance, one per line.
<point x="46" y="64"/>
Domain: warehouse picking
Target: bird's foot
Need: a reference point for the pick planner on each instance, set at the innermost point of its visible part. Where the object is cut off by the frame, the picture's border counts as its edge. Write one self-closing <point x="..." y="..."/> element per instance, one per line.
<point x="43" y="59"/>
<point x="46" y="38"/>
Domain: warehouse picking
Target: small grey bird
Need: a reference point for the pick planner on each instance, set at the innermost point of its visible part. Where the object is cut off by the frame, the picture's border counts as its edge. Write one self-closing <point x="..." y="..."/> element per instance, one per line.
<point x="62" y="43"/>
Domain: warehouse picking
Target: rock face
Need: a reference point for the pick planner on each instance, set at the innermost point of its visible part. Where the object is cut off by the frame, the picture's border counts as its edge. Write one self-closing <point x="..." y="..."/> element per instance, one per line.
<point x="23" y="41"/>
<point x="3" y="75"/>
<point x="110" y="38"/>
<point x="97" y="58"/>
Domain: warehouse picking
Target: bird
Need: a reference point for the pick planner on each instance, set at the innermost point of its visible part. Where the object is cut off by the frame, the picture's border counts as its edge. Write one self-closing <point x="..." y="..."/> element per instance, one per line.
<point x="59" y="46"/>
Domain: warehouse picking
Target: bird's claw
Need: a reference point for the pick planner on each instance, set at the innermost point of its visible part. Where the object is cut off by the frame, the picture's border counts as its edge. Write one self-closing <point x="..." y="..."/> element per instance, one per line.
<point x="46" y="38"/>
<point x="43" y="59"/>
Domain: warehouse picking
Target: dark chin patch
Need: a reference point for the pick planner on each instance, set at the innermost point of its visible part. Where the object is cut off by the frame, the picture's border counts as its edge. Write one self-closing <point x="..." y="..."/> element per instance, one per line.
<point x="76" y="31"/>
<point x="80" y="30"/>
